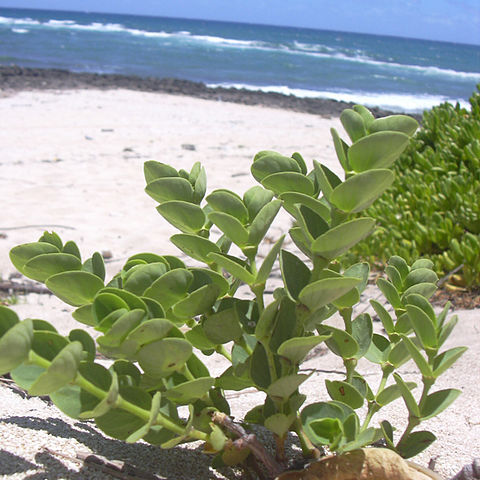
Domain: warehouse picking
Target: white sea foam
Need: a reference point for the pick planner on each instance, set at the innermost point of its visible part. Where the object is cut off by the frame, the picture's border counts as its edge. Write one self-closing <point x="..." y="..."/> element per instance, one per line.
<point x="389" y="101"/>
<point x="19" y="30"/>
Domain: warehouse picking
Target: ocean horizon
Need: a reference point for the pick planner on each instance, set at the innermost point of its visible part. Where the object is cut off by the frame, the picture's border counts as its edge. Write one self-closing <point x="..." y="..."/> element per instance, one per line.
<point x="395" y="73"/>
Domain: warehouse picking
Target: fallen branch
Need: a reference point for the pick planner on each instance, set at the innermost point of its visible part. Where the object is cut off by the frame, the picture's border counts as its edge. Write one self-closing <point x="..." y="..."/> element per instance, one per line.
<point x="23" y="287"/>
<point x="248" y="440"/>
<point x="115" y="468"/>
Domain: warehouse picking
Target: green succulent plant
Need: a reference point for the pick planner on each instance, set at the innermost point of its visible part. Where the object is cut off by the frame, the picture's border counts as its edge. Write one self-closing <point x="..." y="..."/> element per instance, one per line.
<point x="157" y="313"/>
<point x="432" y="208"/>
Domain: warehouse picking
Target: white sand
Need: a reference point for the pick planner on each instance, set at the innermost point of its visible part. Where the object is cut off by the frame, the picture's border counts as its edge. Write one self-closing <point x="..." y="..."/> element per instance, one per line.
<point x="74" y="159"/>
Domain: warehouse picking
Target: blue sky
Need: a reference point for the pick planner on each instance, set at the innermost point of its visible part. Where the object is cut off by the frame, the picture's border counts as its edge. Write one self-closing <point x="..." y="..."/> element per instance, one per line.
<point x="448" y="20"/>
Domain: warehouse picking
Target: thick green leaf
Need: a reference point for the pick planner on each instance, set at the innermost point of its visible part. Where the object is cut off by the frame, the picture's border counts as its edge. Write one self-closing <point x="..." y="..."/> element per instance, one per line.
<point x="378" y="150"/>
<point x="420" y="275"/>
<point x="72" y="248"/>
<point x="282" y="182"/>
<point x="401" y="265"/>
<point x="391" y="393"/>
<point x="408" y="398"/>
<point x="14" y="344"/>
<point x="194" y="246"/>
<point x="418" y="358"/>
<point x="300" y="240"/>
<point x="396" y="123"/>
<point x="187" y="217"/>
<point x="190" y="391"/>
<point x="88" y="343"/>
<point x="344" y="392"/>
<point x="98" y="266"/>
<point x="366" y="115"/>
<point x="296" y="349"/>
<point x="317" y="294"/>
<point x="198" y="302"/>
<point x="153" y="170"/>
<point x="341" y="343"/>
<point x="384" y="317"/>
<point x="206" y="276"/>
<point x="45" y="265"/>
<point x="255" y="199"/>
<point x="422" y="303"/>
<point x="340" y="239"/>
<point x="399" y="354"/>
<point x="75" y="288"/>
<point x="228" y="202"/>
<point x="285" y="386"/>
<point x="8" y="318"/>
<point x="53" y="238"/>
<point x="266" y="322"/>
<point x="279" y="423"/>
<point x="291" y="199"/>
<point x="353" y="124"/>
<point x="415" y="443"/>
<point x="362" y="332"/>
<point x="295" y="273"/>
<point x="266" y="268"/>
<point x="312" y="224"/>
<point x="163" y="357"/>
<point x="106" y="303"/>
<point x="61" y="371"/>
<point x="317" y="412"/>
<point x="379" y="349"/>
<point x="121" y="328"/>
<point x="341" y="149"/>
<point x="231" y="227"/>
<point x="170" y="287"/>
<point x="437" y="402"/>
<point x="149" y="331"/>
<point x="301" y="162"/>
<point x="140" y="277"/>
<point x="390" y="293"/>
<point x="261" y="223"/>
<point x="423" y="326"/>
<point x="222" y="327"/>
<point x="326" y="179"/>
<point x="232" y="267"/>
<point x="359" y="191"/>
<point x="84" y="314"/>
<point x="21" y="254"/>
<point x="196" y="336"/>
<point x="259" y="371"/>
<point x="364" y="438"/>
<point x="326" y="431"/>
<point x="170" y="188"/>
<point x="446" y="359"/>
<point x="272" y="162"/>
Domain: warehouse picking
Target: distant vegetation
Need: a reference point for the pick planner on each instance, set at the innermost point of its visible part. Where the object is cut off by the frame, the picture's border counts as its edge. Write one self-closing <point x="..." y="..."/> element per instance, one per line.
<point x="433" y="207"/>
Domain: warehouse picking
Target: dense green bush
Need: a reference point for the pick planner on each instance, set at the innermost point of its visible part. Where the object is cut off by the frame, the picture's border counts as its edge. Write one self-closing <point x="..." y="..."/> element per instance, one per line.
<point x="433" y="208"/>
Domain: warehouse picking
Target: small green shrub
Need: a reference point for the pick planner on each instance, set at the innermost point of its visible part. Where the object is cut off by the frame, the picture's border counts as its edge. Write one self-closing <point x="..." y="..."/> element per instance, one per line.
<point x="156" y="311"/>
<point x="433" y="206"/>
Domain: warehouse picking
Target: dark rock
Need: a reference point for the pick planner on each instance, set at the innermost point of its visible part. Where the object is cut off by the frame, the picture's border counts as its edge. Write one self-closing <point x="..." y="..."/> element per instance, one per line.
<point x="15" y="78"/>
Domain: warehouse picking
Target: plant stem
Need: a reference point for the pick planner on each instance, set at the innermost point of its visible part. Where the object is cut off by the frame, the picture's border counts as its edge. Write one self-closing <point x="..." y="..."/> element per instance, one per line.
<point x="121" y="403"/>
<point x="308" y="449"/>
<point x="223" y="351"/>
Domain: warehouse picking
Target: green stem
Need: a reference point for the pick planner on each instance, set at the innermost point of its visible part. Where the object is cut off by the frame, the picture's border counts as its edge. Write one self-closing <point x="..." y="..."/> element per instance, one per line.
<point x="308" y="449"/>
<point x="121" y="403"/>
<point x="223" y="351"/>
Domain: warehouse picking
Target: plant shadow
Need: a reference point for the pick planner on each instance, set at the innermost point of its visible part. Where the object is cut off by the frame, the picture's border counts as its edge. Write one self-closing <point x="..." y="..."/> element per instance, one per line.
<point x="174" y="464"/>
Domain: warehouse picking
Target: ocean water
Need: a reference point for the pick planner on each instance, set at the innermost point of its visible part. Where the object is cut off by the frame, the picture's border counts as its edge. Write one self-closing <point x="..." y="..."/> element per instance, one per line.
<point x="395" y="73"/>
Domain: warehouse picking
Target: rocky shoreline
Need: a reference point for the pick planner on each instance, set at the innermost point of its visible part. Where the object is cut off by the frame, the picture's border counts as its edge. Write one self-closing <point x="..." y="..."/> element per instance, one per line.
<point x="16" y="78"/>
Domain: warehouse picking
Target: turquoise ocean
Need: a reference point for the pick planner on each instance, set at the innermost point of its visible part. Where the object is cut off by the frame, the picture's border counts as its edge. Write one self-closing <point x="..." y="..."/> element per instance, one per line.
<point x="394" y="73"/>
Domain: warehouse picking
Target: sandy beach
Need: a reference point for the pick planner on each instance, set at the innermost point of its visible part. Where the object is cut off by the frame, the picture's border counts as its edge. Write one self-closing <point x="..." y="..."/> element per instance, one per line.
<point x="72" y="162"/>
